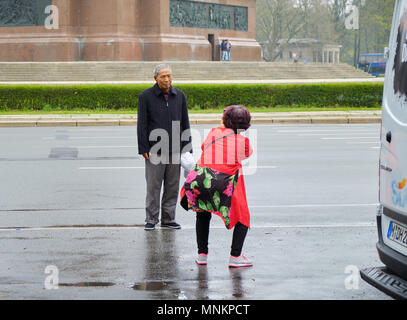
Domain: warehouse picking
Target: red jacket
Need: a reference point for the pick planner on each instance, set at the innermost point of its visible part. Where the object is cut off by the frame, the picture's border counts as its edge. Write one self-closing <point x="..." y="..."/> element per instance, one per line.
<point x="226" y="155"/>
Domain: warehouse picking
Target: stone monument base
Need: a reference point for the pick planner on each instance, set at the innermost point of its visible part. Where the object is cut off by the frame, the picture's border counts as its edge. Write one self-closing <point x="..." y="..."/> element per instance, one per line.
<point x="127" y="30"/>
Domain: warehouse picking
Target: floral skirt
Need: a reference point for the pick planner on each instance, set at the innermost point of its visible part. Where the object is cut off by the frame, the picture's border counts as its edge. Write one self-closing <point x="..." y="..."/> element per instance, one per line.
<point x="210" y="190"/>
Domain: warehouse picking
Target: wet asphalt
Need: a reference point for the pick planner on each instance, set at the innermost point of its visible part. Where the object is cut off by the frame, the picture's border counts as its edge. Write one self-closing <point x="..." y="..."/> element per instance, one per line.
<point x="72" y="215"/>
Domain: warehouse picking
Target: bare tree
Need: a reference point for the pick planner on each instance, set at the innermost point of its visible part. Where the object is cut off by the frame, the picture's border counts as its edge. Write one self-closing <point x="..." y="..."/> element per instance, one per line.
<point x="278" y="22"/>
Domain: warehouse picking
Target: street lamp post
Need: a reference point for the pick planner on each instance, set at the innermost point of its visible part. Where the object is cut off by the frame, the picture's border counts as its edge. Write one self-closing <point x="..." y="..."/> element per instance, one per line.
<point x="352" y="23"/>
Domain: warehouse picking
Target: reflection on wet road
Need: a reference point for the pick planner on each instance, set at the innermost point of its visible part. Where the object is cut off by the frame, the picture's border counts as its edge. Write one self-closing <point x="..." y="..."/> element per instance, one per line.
<point x="76" y="202"/>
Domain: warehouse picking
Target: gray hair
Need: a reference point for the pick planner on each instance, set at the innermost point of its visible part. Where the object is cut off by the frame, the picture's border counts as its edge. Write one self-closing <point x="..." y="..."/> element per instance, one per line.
<point x="160" y="67"/>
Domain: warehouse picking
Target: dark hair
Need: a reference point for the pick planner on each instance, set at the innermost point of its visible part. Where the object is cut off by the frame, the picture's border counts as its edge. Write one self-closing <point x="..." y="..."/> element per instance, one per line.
<point x="236" y="117"/>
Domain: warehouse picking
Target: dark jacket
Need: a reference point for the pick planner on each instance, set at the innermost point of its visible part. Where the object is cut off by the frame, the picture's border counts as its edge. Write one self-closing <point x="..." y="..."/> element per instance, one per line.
<point x="154" y="112"/>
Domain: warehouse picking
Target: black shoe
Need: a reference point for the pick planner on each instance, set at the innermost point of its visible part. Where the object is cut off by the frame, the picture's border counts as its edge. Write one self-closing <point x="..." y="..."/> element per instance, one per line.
<point x="149" y="226"/>
<point x="171" y="225"/>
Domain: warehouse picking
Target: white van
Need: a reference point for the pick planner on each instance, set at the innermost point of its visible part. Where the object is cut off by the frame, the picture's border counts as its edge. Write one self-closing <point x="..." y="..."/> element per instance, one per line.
<point x="392" y="208"/>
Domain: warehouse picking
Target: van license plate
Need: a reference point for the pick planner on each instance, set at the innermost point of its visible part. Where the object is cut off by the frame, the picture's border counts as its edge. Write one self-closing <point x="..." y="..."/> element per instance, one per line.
<point x="397" y="233"/>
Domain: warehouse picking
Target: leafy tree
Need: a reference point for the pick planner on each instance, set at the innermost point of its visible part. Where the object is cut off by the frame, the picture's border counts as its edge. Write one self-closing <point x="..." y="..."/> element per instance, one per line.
<point x="279" y="21"/>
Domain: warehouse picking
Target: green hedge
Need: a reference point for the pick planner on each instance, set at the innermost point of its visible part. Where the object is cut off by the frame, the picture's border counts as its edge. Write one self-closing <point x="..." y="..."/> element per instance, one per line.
<point x="199" y="96"/>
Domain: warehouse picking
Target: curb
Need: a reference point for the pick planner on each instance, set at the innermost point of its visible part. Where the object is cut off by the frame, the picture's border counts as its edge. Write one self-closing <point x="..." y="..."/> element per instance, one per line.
<point x="87" y="120"/>
<point x="133" y="122"/>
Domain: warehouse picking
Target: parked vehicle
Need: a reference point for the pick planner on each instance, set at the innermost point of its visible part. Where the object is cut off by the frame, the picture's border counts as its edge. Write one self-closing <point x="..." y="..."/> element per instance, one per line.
<point x="377" y="69"/>
<point x="392" y="208"/>
<point x="366" y="59"/>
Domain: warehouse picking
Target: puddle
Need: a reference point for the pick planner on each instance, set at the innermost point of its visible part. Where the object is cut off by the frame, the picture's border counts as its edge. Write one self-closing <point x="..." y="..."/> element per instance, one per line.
<point x="153" y="285"/>
<point x="168" y="286"/>
<point x="63" y="153"/>
<point x="87" y="284"/>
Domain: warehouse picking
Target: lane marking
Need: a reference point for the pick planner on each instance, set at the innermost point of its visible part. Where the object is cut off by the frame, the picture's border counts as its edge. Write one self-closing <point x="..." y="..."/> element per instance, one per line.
<point x="95" y="129"/>
<point x="348" y="138"/>
<point x="123" y="168"/>
<point x="327" y="130"/>
<point x="316" y="125"/>
<point x="318" y="205"/>
<point x="192" y="227"/>
<point x="79" y="138"/>
<point x="109" y="168"/>
<point x="363" y="142"/>
<point x="261" y="167"/>
<point x="327" y="225"/>
<point x="142" y="208"/>
<point x="333" y="134"/>
<point x="96" y="147"/>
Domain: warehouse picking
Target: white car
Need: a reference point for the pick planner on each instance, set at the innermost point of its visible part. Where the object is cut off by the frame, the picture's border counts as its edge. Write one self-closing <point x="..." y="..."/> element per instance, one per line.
<point x="392" y="208"/>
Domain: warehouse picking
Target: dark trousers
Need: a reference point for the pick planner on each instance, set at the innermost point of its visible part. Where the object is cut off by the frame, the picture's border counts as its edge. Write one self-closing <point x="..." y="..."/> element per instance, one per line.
<point x="165" y="174"/>
<point x="202" y="234"/>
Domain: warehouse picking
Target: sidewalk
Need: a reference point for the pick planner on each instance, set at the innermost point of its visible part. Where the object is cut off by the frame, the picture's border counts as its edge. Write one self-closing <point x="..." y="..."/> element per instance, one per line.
<point x="79" y="120"/>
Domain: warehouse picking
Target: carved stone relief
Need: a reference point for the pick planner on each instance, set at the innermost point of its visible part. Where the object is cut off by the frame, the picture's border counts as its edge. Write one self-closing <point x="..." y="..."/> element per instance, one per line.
<point x="194" y="14"/>
<point x="14" y="13"/>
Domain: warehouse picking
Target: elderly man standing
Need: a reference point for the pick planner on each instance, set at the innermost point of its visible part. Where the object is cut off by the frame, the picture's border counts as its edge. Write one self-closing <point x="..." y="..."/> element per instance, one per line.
<point x="163" y="133"/>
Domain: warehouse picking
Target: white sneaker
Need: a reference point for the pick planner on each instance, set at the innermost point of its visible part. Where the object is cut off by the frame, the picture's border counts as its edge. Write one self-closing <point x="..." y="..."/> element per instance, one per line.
<point x="240" y="261"/>
<point x="202" y="259"/>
